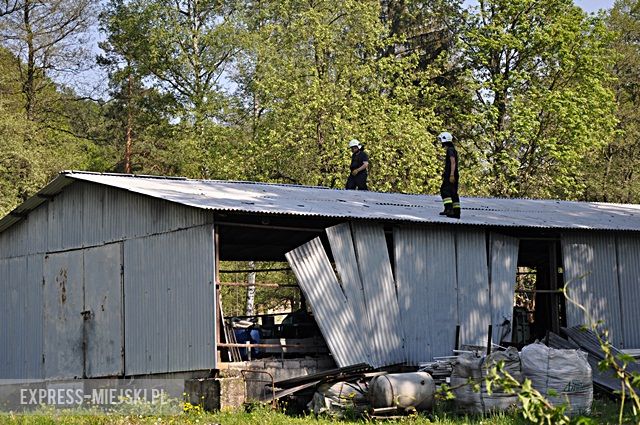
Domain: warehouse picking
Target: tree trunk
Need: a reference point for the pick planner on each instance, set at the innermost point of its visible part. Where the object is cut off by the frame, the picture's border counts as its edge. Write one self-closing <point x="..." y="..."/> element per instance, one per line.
<point x="127" y="148"/>
<point x="28" y="87"/>
<point x="251" y="290"/>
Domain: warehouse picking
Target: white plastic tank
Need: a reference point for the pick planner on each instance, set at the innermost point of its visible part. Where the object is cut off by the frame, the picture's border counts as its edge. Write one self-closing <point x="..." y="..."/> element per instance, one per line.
<point x="403" y="390"/>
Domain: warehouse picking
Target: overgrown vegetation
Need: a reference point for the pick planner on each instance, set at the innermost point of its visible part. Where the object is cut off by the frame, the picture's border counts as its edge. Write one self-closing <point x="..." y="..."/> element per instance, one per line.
<point x="541" y="96"/>
<point x="604" y="412"/>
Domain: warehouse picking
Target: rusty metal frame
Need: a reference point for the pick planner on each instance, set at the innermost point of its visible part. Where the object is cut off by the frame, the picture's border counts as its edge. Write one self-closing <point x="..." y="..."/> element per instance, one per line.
<point x="245" y="372"/>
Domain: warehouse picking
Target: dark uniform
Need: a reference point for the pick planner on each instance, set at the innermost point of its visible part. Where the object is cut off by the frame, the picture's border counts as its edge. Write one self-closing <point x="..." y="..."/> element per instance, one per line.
<point x="448" y="190"/>
<point x="359" y="181"/>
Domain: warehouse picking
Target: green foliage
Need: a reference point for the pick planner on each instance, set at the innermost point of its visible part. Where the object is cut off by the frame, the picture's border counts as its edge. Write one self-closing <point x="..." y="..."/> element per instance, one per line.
<point x="542" y="102"/>
<point x="614" y="171"/>
<point x="314" y="79"/>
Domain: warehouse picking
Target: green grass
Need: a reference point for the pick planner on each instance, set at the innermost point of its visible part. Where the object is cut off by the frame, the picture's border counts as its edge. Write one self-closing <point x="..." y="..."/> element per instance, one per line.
<point x="604" y="412"/>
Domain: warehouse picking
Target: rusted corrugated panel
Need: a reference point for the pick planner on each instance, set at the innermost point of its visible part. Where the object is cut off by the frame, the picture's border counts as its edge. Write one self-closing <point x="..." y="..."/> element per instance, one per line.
<point x="63" y="302"/>
<point x="504" y="265"/>
<point x="474" y="305"/>
<point x="380" y="293"/>
<point x="425" y="277"/>
<point x="344" y="256"/>
<point x="629" y="272"/>
<point x="169" y="302"/>
<point x="103" y="299"/>
<point x="336" y="320"/>
<point x="590" y="267"/>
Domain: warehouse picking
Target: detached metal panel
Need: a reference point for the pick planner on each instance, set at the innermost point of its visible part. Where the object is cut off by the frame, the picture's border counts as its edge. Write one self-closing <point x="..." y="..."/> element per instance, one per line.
<point x="474" y="303"/>
<point x="63" y="323"/>
<point x="103" y="299"/>
<point x="629" y="272"/>
<point x="504" y="266"/>
<point x="336" y="320"/>
<point x="426" y="279"/>
<point x="380" y="293"/>
<point x="169" y="302"/>
<point x="590" y="268"/>
<point x="344" y="256"/>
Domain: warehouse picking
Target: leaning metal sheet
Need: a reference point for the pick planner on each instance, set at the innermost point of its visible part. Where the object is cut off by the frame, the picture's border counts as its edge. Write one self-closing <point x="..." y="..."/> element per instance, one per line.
<point x="336" y="320"/>
<point x="474" y="306"/>
<point x="504" y="265"/>
<point x="344" y="256"/>
<point x="380" y="293"/>
<point x="426" y="279"/>
<point x="590" y="270"/>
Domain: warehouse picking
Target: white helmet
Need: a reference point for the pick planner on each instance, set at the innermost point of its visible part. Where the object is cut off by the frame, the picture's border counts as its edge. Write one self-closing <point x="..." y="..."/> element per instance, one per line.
<point x="354" y="142"/>
<point x="445" y="137"/>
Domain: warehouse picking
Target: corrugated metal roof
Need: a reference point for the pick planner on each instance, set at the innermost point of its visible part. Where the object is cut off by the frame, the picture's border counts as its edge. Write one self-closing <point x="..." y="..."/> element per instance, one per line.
<point x="324" y="202"/>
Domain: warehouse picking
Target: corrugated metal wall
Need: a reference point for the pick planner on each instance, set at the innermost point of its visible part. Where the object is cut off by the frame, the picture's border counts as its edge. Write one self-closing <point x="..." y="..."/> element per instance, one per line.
<point x="44" y="321"/>
<point x="86" y="214"/>
<point x="474" y="307"/>
<point x="504" y="266"/>
<point x="336" y="319"/>
<point x="590" y="264"/>
<point x="629" y="272"/>
<point x="169" y="302"/>
<point x="21" y="318"/>
<point x="426" y="279"/>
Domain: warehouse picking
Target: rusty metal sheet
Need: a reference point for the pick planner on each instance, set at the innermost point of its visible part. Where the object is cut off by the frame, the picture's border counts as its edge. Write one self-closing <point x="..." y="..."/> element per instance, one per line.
<point x="63" y="295"/>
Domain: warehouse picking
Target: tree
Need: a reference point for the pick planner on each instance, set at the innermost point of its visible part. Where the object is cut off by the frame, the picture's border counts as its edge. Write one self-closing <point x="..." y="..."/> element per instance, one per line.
<point x="48" y="37"/>
<point x="615" y="176"/>
<point x="180" y="49"/>
<point x="542" y="106"/>
<point x="313" y="77"/>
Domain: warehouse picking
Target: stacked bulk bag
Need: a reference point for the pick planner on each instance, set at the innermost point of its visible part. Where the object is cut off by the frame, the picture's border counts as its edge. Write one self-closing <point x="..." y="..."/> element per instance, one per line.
<point x="470" y="370"/>
<point x="565" y="373"/>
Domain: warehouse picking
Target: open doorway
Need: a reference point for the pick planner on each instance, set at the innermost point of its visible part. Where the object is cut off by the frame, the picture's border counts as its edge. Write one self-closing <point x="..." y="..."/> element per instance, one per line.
<point x="539" y="305"/>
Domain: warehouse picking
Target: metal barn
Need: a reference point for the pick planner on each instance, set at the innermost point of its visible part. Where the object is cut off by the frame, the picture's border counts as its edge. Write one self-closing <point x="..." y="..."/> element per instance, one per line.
<point x="117" y="275"/>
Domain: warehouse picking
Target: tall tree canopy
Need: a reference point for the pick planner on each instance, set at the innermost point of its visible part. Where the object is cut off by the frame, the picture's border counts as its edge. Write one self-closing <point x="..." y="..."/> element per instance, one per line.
<point x="542" y="103"/>
<point x="314" y="76"/>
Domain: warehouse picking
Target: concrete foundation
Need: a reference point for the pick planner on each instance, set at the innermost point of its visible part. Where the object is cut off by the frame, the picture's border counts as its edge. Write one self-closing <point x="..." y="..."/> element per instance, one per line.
<point x="241" y="382"/>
